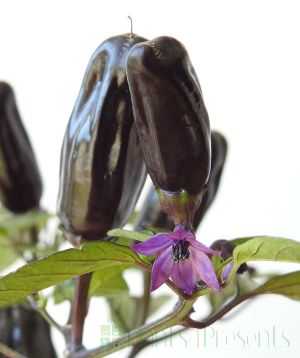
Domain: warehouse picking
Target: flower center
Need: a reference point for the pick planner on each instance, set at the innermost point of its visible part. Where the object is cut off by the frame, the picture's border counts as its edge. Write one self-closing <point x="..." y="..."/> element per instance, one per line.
<point x="180" y="251"/>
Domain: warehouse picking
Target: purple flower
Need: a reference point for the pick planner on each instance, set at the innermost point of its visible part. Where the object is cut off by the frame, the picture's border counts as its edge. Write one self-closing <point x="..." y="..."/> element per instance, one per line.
<point x="180" y="256"/>
<point x="226" y="271"/>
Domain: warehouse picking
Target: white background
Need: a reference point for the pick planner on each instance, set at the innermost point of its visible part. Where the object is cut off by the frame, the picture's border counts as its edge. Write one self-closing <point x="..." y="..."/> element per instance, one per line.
<point x="247" y="57"/>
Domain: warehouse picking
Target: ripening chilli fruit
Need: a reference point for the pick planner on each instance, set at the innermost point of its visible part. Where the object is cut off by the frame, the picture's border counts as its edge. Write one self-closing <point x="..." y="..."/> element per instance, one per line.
<point x="172" y="124"/>
<point x="26" y="331"/>
<point x="218" y="157"/>
<point x="102" y="169"/>
<point x="20" y="181"/>
<point x="151" y="212"/>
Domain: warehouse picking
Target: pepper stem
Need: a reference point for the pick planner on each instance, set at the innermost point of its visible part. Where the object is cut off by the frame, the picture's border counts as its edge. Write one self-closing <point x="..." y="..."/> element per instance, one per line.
<point x="179" y="314"/>
<point x="131" y="26"/>
<point x="79" y="311"/>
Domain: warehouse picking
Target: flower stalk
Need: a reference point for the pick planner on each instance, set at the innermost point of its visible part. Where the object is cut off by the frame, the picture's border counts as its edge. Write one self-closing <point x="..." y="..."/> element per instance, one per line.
<point x="178" y="315"/>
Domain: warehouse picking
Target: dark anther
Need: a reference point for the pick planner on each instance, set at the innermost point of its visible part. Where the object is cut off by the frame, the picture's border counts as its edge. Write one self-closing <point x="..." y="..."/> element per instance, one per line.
<point x="180" y="251"/>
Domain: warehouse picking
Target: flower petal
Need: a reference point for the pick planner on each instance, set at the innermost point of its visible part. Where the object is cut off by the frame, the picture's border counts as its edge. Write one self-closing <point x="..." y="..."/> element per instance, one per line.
<point x="162" y="268"/>
<point x="200" y="247"/>
<point x="153" y="245"/>
<point x="205" y="269"/>
<point x="184" y="276"/>
<point x="180" y="234"/>
<point x="226" y="271"/>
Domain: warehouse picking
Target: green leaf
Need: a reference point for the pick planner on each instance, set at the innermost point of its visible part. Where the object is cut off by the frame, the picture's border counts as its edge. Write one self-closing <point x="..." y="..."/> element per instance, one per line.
<point x="16" y="234"/>
<point x="13" y="224"/>
<point x="265" y="248"/>
<point x="64" y="291"/>
<point x="3" y="231"/>
<point x="156" y="229"/>
<point x="108" y="281"/>
<point x="124" y="241"/>
<point x="132" y="235"/>
<point x="62" y="266"/>
<point x="217" y="299"/>
<point x="133" y="217"/>
<point x="15" y="248"/>
<point x="241" y="284"/>
<point x="123" y="311"/>
<point x="242" y="240"/>
<point x="7" y="253"/>
<point x="287" y="285"/>
<point x="115" y="286"/>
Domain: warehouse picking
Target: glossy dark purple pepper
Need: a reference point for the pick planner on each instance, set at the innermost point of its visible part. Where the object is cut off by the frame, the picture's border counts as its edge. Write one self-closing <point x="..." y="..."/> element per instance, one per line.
<point x="172" y="123"/>
<point x="151" y="212"/>
<point x="20" y="181"/>
<point x="218" y="157"/>
<point x="102" y="168"/>
<point x="26" y="331"/>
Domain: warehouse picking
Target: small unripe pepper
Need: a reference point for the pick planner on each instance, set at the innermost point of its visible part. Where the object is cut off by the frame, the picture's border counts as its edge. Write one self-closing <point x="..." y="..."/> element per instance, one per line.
<point x="172" y="124"/>
<point x="20" y="181"/>
<point x="226" y="247"/>
<point x="102" y="168"/>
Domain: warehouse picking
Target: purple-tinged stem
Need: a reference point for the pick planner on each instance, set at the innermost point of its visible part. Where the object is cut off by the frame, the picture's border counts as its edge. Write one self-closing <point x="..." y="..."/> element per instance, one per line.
<point x="79" y="310"/>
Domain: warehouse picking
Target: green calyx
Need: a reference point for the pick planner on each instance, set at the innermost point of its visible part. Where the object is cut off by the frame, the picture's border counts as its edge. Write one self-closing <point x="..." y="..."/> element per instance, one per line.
<point x="180" y="206"/>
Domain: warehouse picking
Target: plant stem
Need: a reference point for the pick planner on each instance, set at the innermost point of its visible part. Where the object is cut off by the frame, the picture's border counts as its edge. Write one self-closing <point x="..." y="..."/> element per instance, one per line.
<point x="9" y="353"/>
<point x="144" y="309"/>
<point x="79" y="310"/>
<point x="114" y="309"/>
<point x="146" y="297"/>
<point x="190" y="323"/>
<point x="64" y="330"/>
<point x="143" y="344"/>
<point x="48" y="318"/>
<point x="179" y="314"/>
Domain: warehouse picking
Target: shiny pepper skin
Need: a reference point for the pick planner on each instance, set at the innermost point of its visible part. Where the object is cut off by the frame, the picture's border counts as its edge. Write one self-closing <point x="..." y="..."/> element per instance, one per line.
<point x="172" y="124"/>
<point x="25" y="331"/>
<point x="20" y="181"/>
<point x="218" y="157"/>
<point x="152" y="213"/>
<point x="102" y="168"/>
